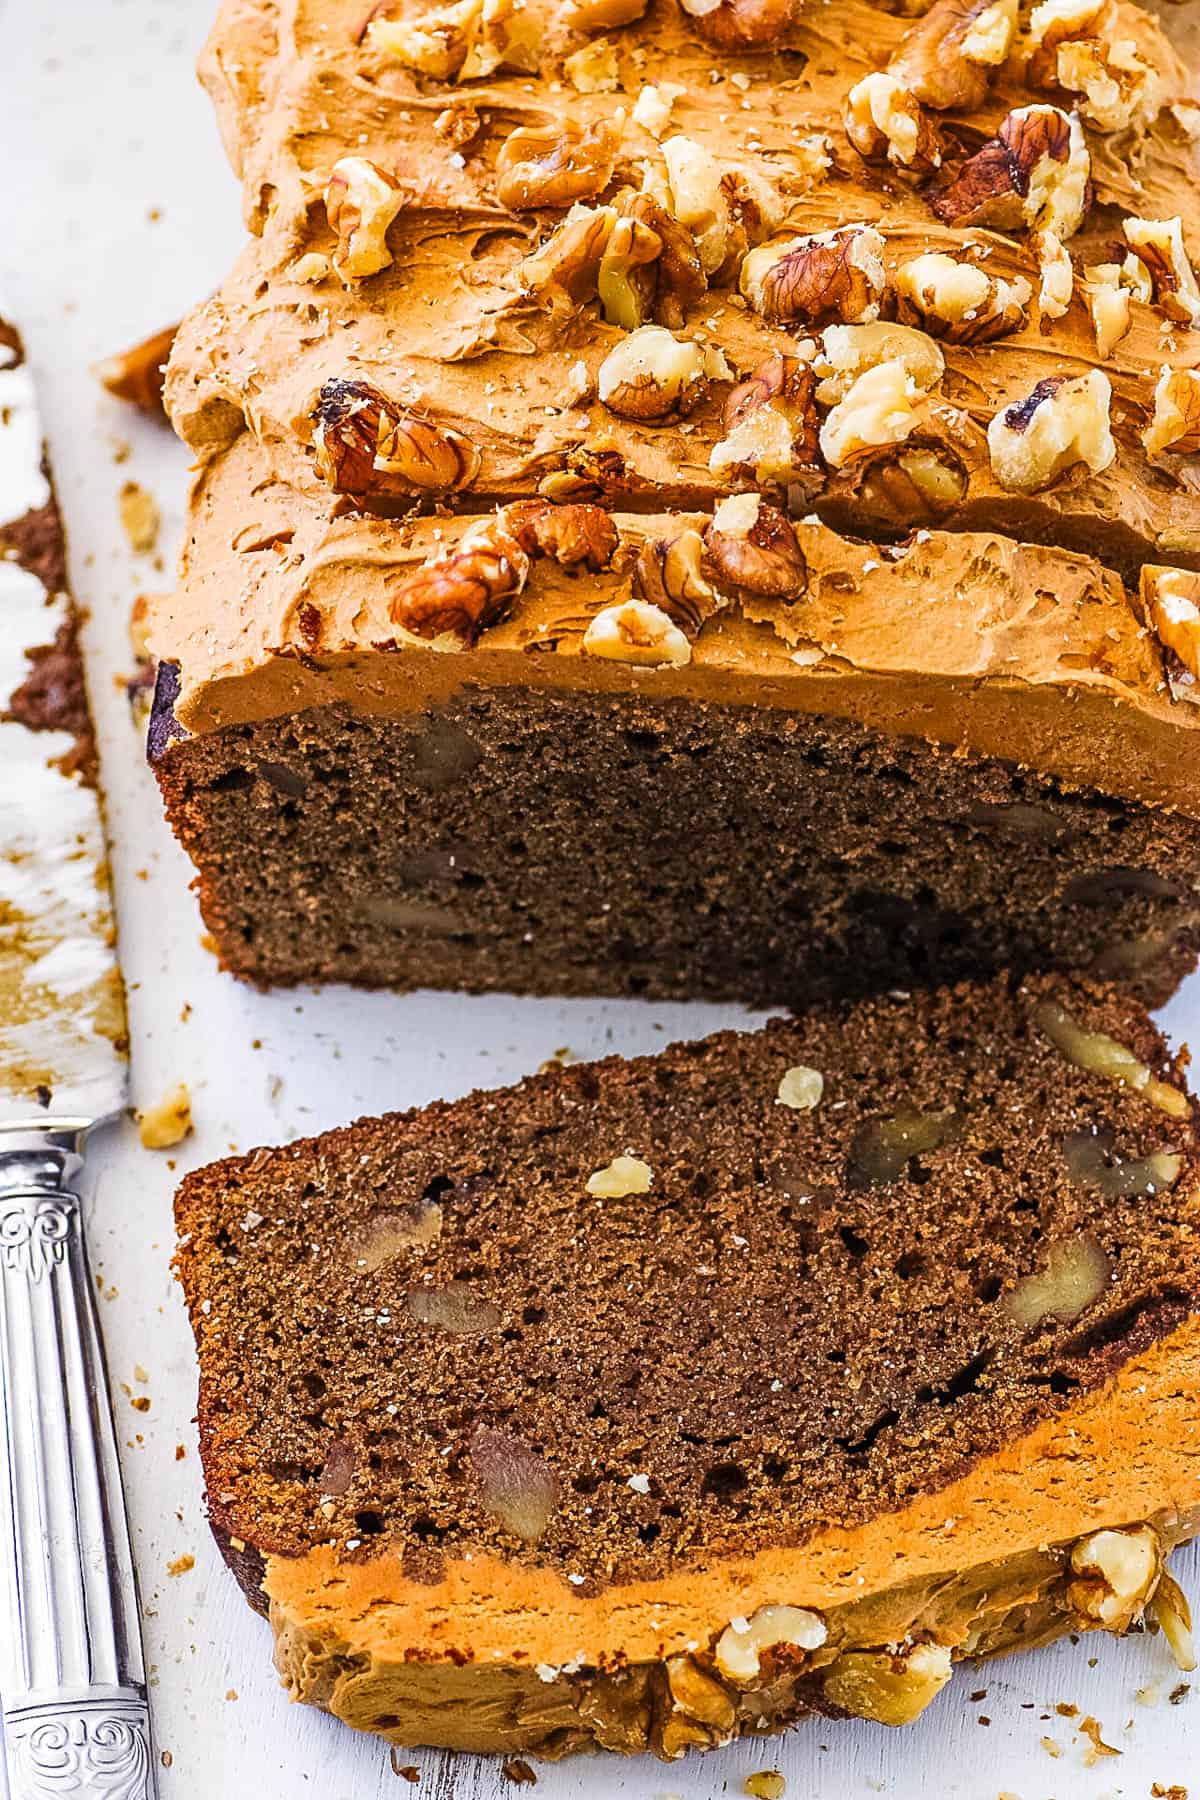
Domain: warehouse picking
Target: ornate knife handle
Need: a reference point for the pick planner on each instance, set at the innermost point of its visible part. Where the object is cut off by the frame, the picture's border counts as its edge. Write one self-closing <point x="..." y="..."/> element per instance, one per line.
<point x="72" y="1679"/>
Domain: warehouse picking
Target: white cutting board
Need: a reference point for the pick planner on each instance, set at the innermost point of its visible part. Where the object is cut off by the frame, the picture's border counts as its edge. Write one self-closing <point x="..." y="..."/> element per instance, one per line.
<point x="117" y="211"/>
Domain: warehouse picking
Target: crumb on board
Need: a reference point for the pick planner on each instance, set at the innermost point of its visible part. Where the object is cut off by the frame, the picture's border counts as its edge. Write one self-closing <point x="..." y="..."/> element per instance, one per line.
<point x="1051" y="1746"/>
<point x="182" y="1565"/>
<point x="767" y="1784"/>
<point x="1174" y="1792"/>
<point x="1091" y="1729"/>
<point x="406" y="1771"/>
<point x="140" y="1402"/>
<point x="180" y="1452"/>
<point x="231" y="1693"/>
<point x="168" y="1122"/>
<point x="139" y="517"/>
<point x="518" y="1771"/>
<point x="166" y="1759"/>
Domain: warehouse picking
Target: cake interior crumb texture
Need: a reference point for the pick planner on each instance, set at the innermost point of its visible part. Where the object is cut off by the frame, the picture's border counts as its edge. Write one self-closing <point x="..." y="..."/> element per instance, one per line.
<point x="772" y="1317"/>
<point x="580" y="843"/>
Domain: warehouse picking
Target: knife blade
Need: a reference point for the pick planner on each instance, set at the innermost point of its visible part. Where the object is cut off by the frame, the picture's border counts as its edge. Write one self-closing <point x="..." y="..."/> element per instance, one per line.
<point x="72" y="1678"/>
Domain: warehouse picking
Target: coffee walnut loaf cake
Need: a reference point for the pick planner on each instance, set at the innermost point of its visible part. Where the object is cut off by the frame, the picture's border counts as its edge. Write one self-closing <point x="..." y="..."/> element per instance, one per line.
<point x="920" y="1287"/>
<point x="694" y="499"/>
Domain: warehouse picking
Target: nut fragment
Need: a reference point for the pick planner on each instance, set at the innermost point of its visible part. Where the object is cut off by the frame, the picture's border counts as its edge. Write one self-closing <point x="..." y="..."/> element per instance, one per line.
<point x="1109" y="303"/>
<point x="455" y="1308"/>
<point x="831" y="275"/>
<point x="136" y="374"/>
<point x="623" y="1176"/>
<point x="563" y="273"/>
<point x="946" y="58"/>
<point x="1159" y="243"/>
<point x="739" y="1649"/>
<point x="593" y="69"/>
<point x="364" y="444"/>
<point x="517" y="1486"/>
<point x="574" y="535"/>
<point x="360" y="203"/>
<point x="725" y="209"/>
<point x="1116" y="1573"/>
<point x="741" y="24"/>
<point x="602" y="15"/>
<point x="1173" y="1616"/>
<point x="848" y="351"/>
<point x="463" y="591"/>
<point x="669" y="576"/>
<point x="1103" y="1055"/>
<point x="633" y="631"/>
<point x="698" y="1694"/>
<point x="653" y="375"/>
<point x="771" y="425"/>
<point x="168" y="1122"/>
<point x="435" y="45"/>
<point x="1075" y="1274"/>
<point x="1171" y="601"/>
<point x="884" y="123"/>
<point x="957" y="301"/>
<point x="890" y="1686"/>
<point x="1175" y="425"/>
<point x="1078" y="45"/>
<point x="1035" y="172"/>
<point x="1057" y="283"/>
<point x="553" y="165"/>
<point x="878" y="408"/>
<point x="1060" y="422"/>
<point x="801" y="1088"/>
<point x="750" y="546"/>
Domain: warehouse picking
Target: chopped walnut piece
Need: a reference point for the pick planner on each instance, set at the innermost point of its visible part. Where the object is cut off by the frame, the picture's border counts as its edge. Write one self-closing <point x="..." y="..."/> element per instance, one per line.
<point x="1078" y="45"/>
<point x="801" y="1088"/>
<point x="460" y="592"/>
<point x="593" y="69"/>
<point x="669" y="576"/>
<point x="633" y="631"/>
<point x="946" y="58"/>
<point x="1103" y="1055"/>
<point x="1171" y="601"/>
<point x="435" y="45"/>
<point x="139" y="516"/>
<point x="892" y="1686"/>
<point x="771" y="428"/>
<point x="136" y="374"/>
<point x="750" y="545"/>
<point x="1057" y="284"/>
<point x="625" y="276"/>
<point x="878" y="408"/>
<point x="1160" y="246"/>
<point x="848" y="351"/>
<point x="360" y="203"/>
<point x="1171" y="1613"/>
<point x="739" y="1650"/>
<point x="741" y="24"/>
<point x="725" y="209"/>
<point x="575" y="535"/>
<point x="958" y="301"/>
<point x="602" y="15"/>
<point x="553" y="165"/>
<point x="1074" y="1276"/>
<point x="1175" y="425"/>
<point x="563" y="273"/>
<point x="364" y="444"/>
<point x="1109" y="304"/>
<point x="698" y="1694"/>
<point x="518" y="1488"/>
<point x="1060" y="422"/>
<point x="1035" y="172"/>
<point x="832" y="275"/>
<point x="168" y="1122"/>
<point x="623" y="1176"/>
<point x="672" y="283"/>
<point x="653" y="375"/>
<point x="652" y="109"/>
<point x="1115" y="1575"/>
<point x="884" y="123"/>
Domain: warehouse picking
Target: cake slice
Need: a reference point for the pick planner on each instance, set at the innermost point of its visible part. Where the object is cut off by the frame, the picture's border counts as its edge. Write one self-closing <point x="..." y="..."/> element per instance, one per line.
<point x="647" y="1403"/>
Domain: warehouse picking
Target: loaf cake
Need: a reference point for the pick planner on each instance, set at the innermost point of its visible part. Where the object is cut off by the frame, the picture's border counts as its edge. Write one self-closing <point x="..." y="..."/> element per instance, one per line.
<point x="694" y="499"/>
<point x="647" y="1403"/>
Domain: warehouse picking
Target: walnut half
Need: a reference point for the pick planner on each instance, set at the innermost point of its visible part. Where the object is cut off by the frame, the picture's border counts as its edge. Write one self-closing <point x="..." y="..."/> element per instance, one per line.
<point x="815" y="280"/>
<point x="1035" y="172"/>
<point x="750" y="547"/>
<point x="652" y="375"/>
<point x="365" y="444"/>
<point x="1175" y="425"/>
<point x="957" y="301"/>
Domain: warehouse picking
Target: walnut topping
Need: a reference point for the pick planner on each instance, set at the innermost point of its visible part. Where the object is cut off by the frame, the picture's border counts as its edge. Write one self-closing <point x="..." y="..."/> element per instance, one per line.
<point x="461" y="592"/>
<point x="698" y="1694"/>
<point x="891" y="1686"/>
<point x="360" y="203"/>
<point x="1057" y="284"/>
<point x="741" y="24"/>
<point x="625" y="278"/>
<point x="1075" y="1274"/>
<point x="563" y="272"/>
<point x="669" y="576"/>
<point x="848" y="351"/>
<point x="1109" y="303"/>
<point x="168" y="1122"/>
<point x="645" y="263"/>
<point x="878" y="408"/>
<point x="946" y="58"/>
<point x="1173" y="1616"/>
<point x="593" y="68"/>
<point x="1103" y="1055"/>
<point x="957" y="301"/>
<point x="623" y="1176"/>
<point x="1171" y="601"/>
<point x="652" y="109"/>
<point x="653" y="375"/>
<point x="884" y="123"/>
<point x="518" y="1488"/>
<point x="1115" y="1575"/>
<point x="553" y="165"/>
<point x="435" y="45"/>
<point x="366" y="445"/>
<point x="635" y="632"/>
<point x="771" y="428"/>
<point x="602" y="15"/>
<point x="739" y="1650"/>
<point x="1035" y="172"/>
<point x="1175" y="425"/>
<point x="1159" y="244"/>
<point x="1060" y="422"/>
<point x="750" y="545"/>
<point x="801" y="1088"/>
<point x="1077" y="45"/>
<point x="575" y="535"/>
<point x="725" y="210"/>
<point x="832" y="275"/>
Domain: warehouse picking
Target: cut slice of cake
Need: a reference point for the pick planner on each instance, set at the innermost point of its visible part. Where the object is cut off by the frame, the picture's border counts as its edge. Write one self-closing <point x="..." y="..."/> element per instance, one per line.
<point x="647" y="1403"/>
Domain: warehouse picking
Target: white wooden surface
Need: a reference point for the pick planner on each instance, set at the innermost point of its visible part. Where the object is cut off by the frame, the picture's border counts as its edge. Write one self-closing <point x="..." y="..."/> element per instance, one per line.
<point x="116" y="211"/>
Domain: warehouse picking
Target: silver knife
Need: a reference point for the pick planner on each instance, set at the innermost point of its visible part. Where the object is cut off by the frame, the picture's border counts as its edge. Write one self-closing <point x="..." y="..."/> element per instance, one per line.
<point x="72" y="1678"/>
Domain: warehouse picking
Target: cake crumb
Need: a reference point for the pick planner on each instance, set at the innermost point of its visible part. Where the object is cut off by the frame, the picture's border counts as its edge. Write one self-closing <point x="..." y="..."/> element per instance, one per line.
<point x="140" y="1402"/>
<point x="768" y="1784"/>
<point x="406" y="1771"/>
<point x="1179" y="1693"/>
<point x="182" y="1565"/>
<point x="180" y="1452"/>
<point x="1051" y="1746"/>
<point x="1168" y="1793"/>
<point x="231" y="1693"/>
<point x="624" y="1175"/>
<point x="166" y="1758"/>
<point x="139" y="516"/>
<point x="168" y="1122"/>
<point x="518" y="1771"/>
<point x="1091" y="1729"/>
